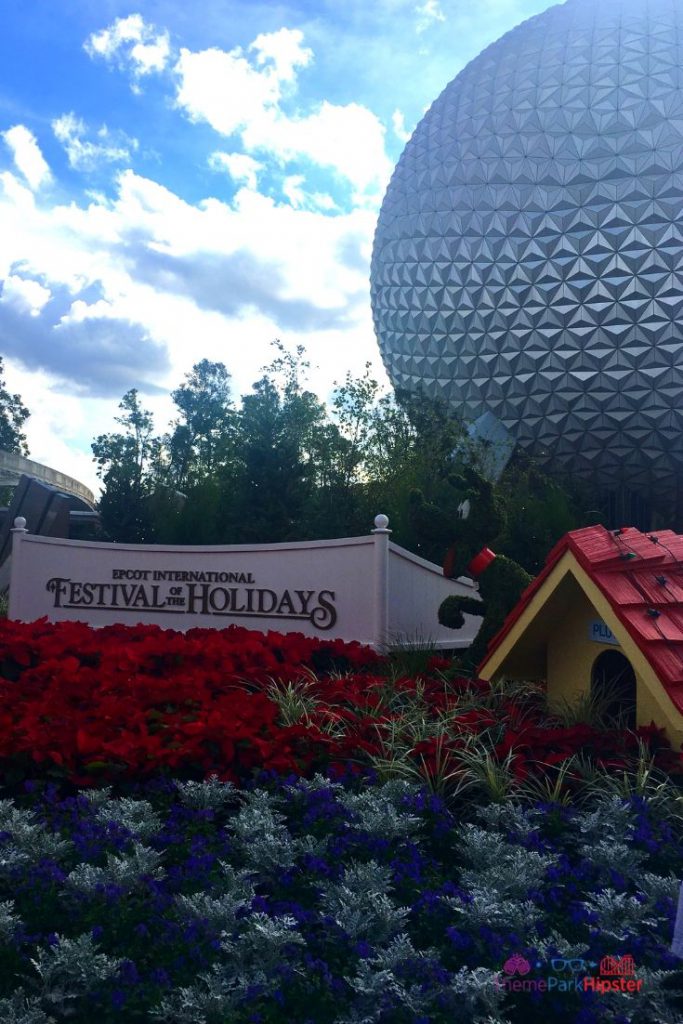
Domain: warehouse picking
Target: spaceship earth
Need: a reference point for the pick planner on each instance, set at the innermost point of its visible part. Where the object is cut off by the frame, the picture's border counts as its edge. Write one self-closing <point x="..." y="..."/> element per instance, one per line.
<point x="528" y="258"/>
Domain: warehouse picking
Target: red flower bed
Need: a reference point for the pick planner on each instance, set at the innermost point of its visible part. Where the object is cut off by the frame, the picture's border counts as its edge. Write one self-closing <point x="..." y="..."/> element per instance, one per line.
<point x="537" y="746"/>
<point x="129" y="701"/>
<point x="95" y="705"/>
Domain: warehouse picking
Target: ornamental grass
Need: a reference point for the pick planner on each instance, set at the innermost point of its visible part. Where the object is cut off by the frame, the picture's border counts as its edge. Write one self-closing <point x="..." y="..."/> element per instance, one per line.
<point x="235" y="827"/>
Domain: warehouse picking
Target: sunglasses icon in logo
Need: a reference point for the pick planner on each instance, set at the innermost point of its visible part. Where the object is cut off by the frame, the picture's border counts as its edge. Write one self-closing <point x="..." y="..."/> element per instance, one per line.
<point x="576" y="964"/>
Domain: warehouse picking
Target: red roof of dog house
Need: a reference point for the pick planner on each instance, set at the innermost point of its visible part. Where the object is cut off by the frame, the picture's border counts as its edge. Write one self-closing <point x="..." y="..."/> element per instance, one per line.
<point x="641" y="575"/>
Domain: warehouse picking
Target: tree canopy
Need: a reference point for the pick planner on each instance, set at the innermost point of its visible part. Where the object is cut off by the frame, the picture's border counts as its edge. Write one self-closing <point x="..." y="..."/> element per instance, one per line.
<point x="279" y="465"/>
<point x="13" y="415"/>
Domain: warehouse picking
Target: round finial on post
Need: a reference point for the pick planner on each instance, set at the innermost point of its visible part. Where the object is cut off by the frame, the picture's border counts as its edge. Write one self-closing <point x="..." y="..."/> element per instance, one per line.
<point x="19" y="525"/>
<point x="381" y="524"/>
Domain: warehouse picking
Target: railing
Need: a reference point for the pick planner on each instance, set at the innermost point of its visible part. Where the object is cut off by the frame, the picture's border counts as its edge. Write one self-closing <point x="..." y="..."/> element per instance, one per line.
<point x="14" y="466"/>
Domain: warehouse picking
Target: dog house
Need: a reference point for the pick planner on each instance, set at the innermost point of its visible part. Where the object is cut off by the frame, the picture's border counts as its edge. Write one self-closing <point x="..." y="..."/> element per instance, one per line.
<point x="605" y="613"/>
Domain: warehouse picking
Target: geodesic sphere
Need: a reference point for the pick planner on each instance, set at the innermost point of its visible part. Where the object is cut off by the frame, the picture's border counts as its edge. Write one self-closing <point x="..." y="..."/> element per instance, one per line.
<point x="527" y="259"/>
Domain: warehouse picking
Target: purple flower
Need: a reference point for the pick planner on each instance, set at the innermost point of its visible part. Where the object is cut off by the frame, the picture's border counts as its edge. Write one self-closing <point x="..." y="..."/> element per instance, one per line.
<point x="315" y="864"/>
<point x="459" y="939"/>
<point x="128" y="972"/>
<point x="429" y="901"/>
<point x="160" y="977"/>
<point x="580" y="915"/>
<point x="364" y="950"/>
<point x="118" y="999"/>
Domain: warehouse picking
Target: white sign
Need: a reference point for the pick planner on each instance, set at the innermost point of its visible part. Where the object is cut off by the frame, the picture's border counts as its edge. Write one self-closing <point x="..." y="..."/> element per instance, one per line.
<point x="601" y="634"/>
<point x="354" y="588"/>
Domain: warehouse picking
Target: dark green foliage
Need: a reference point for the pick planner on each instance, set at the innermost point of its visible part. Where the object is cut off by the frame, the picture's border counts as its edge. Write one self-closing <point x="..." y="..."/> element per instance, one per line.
<point x="126" y="464"/>
<point x="416" y="445"/>
<point x="452" y="611"/>
<point x="202" y="441"/>
<point x="539" y="510"/>
<point x="279" y="466"/>
<point x="444" y="528"/>
<point x="274" y="481"/>
<point x="501" y="584"/>
<point x="500" y="587"/>
<point x="13" y="415"/>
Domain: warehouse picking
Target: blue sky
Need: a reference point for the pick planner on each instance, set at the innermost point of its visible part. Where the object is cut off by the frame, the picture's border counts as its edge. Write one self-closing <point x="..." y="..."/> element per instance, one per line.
<point x="180" y="181"/>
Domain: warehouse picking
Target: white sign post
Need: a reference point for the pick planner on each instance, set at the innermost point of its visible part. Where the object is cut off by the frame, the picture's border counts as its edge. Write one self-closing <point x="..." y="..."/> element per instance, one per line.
<point x="354" y="588"/>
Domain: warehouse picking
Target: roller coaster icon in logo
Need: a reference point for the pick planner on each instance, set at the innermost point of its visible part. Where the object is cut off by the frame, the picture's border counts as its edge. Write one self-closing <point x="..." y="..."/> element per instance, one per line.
<point x="619" y="966"/>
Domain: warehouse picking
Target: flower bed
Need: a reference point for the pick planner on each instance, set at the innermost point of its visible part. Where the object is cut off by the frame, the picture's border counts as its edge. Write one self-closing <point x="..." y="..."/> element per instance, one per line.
<point x="314" y="901"/>
<point x="218" y="827"/>
<point x="124" y="702"/>
<point x="132" y="701"/>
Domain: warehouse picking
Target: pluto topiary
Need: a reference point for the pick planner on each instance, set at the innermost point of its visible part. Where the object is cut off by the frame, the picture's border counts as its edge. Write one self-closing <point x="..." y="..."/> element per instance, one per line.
<point x="481" y="520"/>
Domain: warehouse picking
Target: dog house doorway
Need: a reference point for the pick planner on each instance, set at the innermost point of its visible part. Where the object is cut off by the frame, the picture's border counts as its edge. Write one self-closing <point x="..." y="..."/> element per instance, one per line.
<point x="613" y="684"/>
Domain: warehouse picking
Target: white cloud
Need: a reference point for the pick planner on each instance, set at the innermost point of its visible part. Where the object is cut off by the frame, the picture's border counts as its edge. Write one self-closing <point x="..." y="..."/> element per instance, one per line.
<point x="428" y="13"/>
<point x="348" y="139"/>
<point x="283" y="48"/>
<point x="224" y="89"/>
<point x="303" y="199"/>
<point x="250" y="93"/>
<point x="127" y="282"/>
<point x="28" y="158"/>
<point x="25" y="295"/>
<point x="61" y="426"/>
<point x="242" y="169"/>
<point x="133" y="43"/>
<point x="291" y="190"/>
<point x="130" y="289"/>
<point x="237" y="98"/>
<point x="83" y="154"/>
<point x="398" y="123"/>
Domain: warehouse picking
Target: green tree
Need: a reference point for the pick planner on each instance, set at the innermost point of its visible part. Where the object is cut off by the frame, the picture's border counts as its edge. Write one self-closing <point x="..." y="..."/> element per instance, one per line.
<point x="128" y="465"/>
<point x="539" y="511"/>
<point x="13" y="415"/>
<point x="355" y="407"/>
<point x="267" y="499"/>
<point x="416" y="444"/>
<point x="202" y="440"/>
<point x="281" y="466"/>
<point x="287" y="480"/>
<point x="323" y="450"/>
